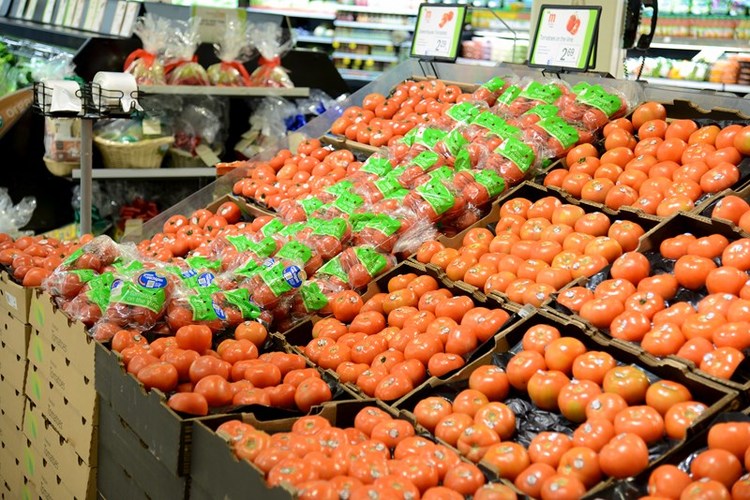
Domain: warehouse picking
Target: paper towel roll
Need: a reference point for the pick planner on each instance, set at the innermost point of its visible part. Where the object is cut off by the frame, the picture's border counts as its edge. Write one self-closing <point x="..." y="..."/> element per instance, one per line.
<point x="62" y="96"/>
<point x="107" y="88"/>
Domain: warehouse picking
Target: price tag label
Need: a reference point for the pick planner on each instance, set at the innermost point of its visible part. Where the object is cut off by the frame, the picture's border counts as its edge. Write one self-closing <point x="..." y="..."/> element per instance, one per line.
<point x="565" y="37"/>
<point x="438" y="32"/>
<point x="214" y="21"/>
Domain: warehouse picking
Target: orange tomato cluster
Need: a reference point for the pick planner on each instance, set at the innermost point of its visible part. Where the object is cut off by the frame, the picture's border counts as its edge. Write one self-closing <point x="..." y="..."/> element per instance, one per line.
<point x="638" y="306"/>
<point x="291" y="176"/>
<point x="538" y="248"/>
<point x="714" y="473"/>
<point x="395" y="339"/>
<point x="412" y="103"/>
<point x="31" y="259"/>
<point x="378" y="457"/>
<point x="734" y="209"/>
<point x="667" y="169"/>
<point x="619" y="412"/>
<point x="234" y="374"/>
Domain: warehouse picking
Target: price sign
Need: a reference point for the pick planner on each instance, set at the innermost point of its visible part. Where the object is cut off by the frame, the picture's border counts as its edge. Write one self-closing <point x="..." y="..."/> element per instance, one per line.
<point x="214" y="20"/>
<point x="565" y="37"/>
<point x="438" y="32"/>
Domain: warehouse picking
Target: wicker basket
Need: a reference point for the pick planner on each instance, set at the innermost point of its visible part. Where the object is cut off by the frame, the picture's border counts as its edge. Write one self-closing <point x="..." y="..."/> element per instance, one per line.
<point x="61" y="168"/>
<point x="183" y="159"/>
<point x="147" y="153"/>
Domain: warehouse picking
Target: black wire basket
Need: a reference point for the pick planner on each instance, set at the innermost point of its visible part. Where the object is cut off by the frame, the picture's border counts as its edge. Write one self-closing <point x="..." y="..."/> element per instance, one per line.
<point x="96" y="102"/>
<point x="43" y="102"/>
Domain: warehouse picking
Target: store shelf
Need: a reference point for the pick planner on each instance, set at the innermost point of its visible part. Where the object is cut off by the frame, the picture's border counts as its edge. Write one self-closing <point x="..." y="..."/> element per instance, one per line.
<point x="375" y="10"/>
<point x="520" y="35"/>
<point x="314" y="39"/>
<point x="373" y="26"/>
<point x="359" y="75"/>
<point x="225" y="91"/>
<point x="148" y="173"/>
<point x="310" y="14"/>
<point x="365" y="57"/>
<point x="688" y="84"/>
<point x="47" y="33"/>
<point x="364" y="41"/>
<point x="475" y="62"/>
<point x="681" y="43"/>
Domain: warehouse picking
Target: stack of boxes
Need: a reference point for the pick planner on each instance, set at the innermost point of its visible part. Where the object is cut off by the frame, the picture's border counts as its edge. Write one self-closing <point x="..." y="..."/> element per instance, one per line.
<point x="60" y="416"/>
<point x="14" y="342"/>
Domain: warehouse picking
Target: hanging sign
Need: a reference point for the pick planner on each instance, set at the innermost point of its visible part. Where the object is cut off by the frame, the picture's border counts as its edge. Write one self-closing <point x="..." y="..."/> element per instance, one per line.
<point x="437" y="33"/>
<point x="565" y="37"/>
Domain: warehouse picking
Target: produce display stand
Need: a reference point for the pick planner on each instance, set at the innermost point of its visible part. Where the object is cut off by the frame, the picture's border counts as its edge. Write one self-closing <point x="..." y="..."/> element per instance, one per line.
<point x="132" y="441"/>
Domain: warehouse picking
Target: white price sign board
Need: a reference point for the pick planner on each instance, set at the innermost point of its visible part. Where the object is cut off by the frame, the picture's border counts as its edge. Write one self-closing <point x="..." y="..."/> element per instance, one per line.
<point x="437" y="33"/>
<point x="565" y="37"/>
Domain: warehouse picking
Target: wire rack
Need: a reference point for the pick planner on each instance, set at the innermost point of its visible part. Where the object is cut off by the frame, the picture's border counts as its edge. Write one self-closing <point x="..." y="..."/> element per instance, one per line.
<point x="96" y="102"/>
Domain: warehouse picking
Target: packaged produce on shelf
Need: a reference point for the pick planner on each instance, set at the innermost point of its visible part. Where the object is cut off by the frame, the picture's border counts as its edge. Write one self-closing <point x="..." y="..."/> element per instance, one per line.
<point x="200" y="121"/>
<point x="14" y="217"/>
<point x="146" y="64"/>
<point x="181" y="66"/>
<point x="14" y="73"/>
<point x="272" y="42"/>
<point x="233" y="49"/>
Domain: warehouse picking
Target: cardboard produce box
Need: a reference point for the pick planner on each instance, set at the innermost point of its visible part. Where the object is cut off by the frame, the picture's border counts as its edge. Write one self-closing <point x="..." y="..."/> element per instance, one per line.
<point x="61" y="465"/>
<point x="12" y="401"/>
<point x="716" y="397"/>
<point x="15" y="298"/>
<point x="11" y="471"/>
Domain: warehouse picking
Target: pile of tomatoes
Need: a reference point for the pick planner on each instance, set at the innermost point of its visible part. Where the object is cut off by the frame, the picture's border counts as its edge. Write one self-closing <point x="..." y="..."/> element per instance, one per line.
<point x="31" y="259"/>
<point x="196" y="377"/>
<point x="391" y="343"/>
<point x="716" y="472"/>
<point x="654" y="306"/>
<point x="734" y="209"/>
<point x="379" y="456"/>
<point x="653" y="165"/>
<point x="537" y="248"/>
<point x="618" y="411"/>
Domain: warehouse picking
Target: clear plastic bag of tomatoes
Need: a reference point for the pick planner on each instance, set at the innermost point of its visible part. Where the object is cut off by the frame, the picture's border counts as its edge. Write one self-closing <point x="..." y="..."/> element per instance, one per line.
<point x="92" y="300"/>
<point x="139" y="298"/>
<point x="512" y="161"/>
<point x="378" y="230"/>
<point x="315" y="293"/>
<point x="194" y="307"/>
<point x="377" y="166"/>
<point x="592" y="106"/>
<point x="327" y="237"/>
<point x="304" y="253"/>
<point x="490" y="90"/>
<point x="551" y="137"/>
<point x="82" y="266"/>
<point x="276" y="280"/>
<point x="535" y="114"/>
<point x="364" y="263"/>
<point x="343" y="206"/>
<point x="418" y="140"/>
<point x="423" y="163"/>
<point x="298" y="210"/>
<point x="434" y="199"/>
<point x="518" y="99"/>
<point x="480" y="187"/>
<point x="235" y="250"/>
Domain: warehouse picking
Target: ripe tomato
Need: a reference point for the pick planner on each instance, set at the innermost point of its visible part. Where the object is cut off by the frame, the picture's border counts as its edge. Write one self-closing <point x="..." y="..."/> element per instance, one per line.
<point x="643" y="421"/>
<point x="508" y="459"/>
<point x="698" y="490"/>
<point x="464" y="478"/>
<point x="593" y="366"/>
<point x="730" y="436"/>
<point x="582" y="463"/>
<point x="311" y="392"/>
<point x="681" y="416"/>
<point x="648" y="111"/>
<point x="497" y="417"/>
<point x="718" y="465"/>
<point x="663" y="394"/>
<point x="490" y="380"/>
<point x="574" y="398"/>
<point x="667" y="481"/>
<point x="560" y="353"/>
<point x="624" y="456"/>
<point x="549" y="447"/>
<point x="544" y="388"/>
<point x="594" y="433"/>
<point x="531" y="479"/>
<point x="522" y="367"/>
<point x="628" y="382"/>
